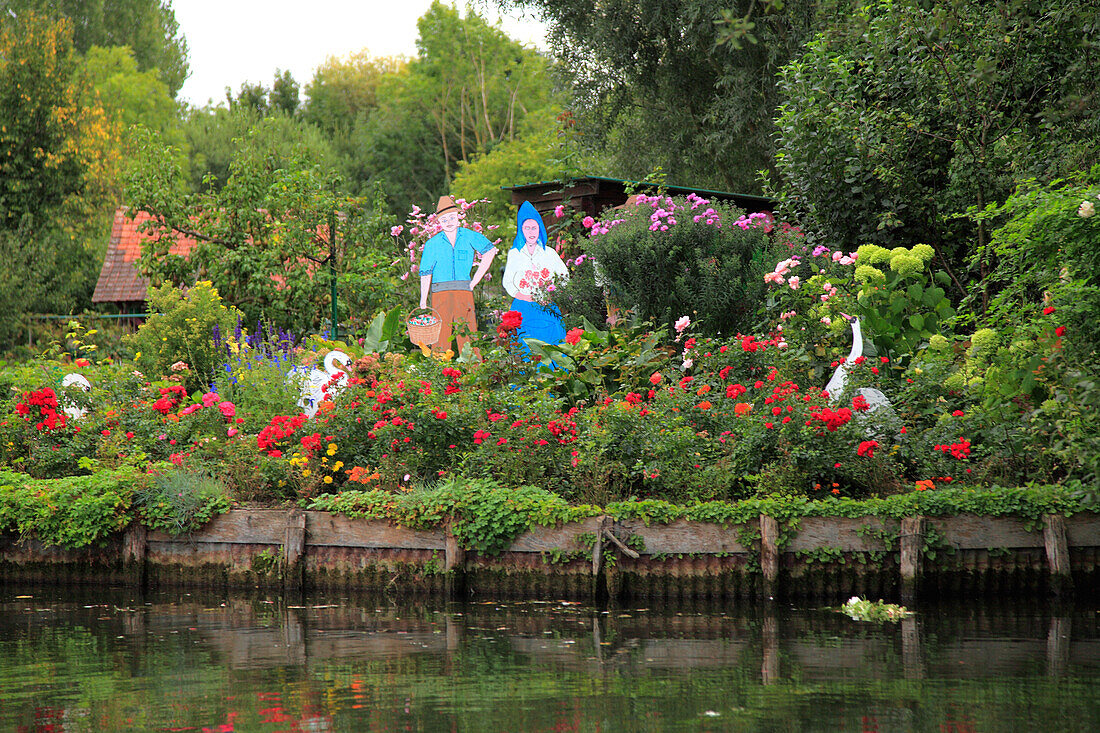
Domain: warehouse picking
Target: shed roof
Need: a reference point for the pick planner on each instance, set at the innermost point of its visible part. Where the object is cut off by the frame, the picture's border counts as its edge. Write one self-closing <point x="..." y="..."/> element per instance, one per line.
<point x="119" y="279"/>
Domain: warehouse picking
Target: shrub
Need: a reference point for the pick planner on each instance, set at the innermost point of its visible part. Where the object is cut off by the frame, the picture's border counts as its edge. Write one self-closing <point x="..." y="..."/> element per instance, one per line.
<point x="181" y="330"/>
<point x="179" y="501"/>
<point x="665" y="257"/>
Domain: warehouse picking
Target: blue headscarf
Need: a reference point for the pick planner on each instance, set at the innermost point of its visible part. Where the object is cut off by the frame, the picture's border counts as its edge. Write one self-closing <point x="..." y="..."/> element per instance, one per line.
<point x="527" y="211"/>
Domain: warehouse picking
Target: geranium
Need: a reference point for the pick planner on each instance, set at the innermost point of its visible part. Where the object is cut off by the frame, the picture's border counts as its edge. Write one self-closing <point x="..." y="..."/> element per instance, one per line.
<point x="210" y="399"/>
<point x="860" y="404"/>
<point x="228" y="409"/>
<point x="574" y="336"/>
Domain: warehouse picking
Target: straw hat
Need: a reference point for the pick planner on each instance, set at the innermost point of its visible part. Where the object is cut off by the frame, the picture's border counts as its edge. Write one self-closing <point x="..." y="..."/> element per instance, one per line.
<point x="446" y="203"/>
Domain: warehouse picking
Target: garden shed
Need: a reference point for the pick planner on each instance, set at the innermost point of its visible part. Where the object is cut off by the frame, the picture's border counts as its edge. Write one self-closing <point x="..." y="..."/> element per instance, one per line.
<point x="592" y="194"/>
<point x="119" y="280"/>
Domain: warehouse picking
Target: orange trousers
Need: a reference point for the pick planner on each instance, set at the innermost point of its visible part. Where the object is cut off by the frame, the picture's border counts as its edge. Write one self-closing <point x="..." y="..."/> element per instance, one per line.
<point x="454" y="306"/>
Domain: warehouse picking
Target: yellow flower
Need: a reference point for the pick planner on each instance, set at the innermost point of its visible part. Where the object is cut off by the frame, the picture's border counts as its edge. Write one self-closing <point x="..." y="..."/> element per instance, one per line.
<point x="331" y="448"/>
<point x="328" y="479"/>
<point x="337" y="466"/>
<point x="137" y="356"/>
<point x="305" y="473"/>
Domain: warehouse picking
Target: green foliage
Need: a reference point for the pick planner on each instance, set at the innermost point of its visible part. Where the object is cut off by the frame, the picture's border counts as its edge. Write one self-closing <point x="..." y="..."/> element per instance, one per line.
<point x="41" y="163"/>
<point x="180" y="500"/>
<point x="483" y="515"/>
<point x="345" y="91"/>
<point x="871" y="150"/>
<point x="148" y="27"/>
<point x="181" y="329"/>
<point x="68" y="512"/>
<point x="654" y="85"/>
<point x="879" y="611"/>
<point x="215" y="136"/>
<point x="271" y="239"/>
<point x="469" y="89"/>
<point x="536" y="153"/>
<point x="685" y="264"/>
<point x="131" y="96"/>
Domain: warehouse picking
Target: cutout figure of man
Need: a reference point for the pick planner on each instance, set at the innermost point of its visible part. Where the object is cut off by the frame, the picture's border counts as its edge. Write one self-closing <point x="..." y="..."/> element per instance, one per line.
<point x="445" y="268"/>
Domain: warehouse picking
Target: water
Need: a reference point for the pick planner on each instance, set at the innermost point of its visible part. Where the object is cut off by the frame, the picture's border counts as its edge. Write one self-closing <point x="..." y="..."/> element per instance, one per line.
<point x="106" y="660"/>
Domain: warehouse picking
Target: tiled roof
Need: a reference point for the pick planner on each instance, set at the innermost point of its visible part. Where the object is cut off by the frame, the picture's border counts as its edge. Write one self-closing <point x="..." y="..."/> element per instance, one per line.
<point x="119" y="280"/>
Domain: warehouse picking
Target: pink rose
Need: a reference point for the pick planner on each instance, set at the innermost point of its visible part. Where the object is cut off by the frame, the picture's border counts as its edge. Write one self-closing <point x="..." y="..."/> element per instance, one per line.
<point x="228" y="409"/>
<point x="588" y="221"/>
<point x="231" y="432"/>
<point x="210" y="399"/>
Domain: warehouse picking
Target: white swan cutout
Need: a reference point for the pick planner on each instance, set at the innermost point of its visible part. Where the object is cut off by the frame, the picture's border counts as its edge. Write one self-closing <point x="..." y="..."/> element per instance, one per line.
<point x="836" y="386"/>
<point x="74" y="412"/>
<point x="313" y="381"/>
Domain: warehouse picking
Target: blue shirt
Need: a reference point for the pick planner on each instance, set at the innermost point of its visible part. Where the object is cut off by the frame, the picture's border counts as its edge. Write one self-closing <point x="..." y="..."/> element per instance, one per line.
<point x="444" y="262"/>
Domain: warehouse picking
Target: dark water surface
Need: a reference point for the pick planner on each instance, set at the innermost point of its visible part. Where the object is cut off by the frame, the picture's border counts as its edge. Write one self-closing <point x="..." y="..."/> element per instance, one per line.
<point x="105" y="660"/>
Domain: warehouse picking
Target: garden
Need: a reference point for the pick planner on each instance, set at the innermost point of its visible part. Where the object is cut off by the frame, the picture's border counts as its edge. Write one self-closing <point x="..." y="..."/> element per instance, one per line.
<point x="727" y="380"/>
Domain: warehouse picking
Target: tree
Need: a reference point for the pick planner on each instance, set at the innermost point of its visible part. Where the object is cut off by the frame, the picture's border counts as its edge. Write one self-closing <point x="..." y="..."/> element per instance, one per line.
<point x="926" y="113"/>
<point x="58" y="148"/>
<point x="271" y="238"/>
<point x="148" y="27"/>
<point x="659" y="84"/>
<point x="130" y="96"/>
<point x="214" y="134"/>
<point x="343" y="90"/>
<point x="468" y="90"/>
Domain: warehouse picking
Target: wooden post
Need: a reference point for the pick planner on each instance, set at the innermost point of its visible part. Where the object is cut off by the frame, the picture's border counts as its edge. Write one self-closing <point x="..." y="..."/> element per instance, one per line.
<point x="769" y="638"/>
<point x="769" y="554"/>
<point x="294" y="546"/>
<point x="454" y="562"/>
<point x="1057" y="548"/>
<point x="1058" y="646"/>
<point x="912" y="544"/>
<point x="134" y="542"/>
<point x="911" y="657"/>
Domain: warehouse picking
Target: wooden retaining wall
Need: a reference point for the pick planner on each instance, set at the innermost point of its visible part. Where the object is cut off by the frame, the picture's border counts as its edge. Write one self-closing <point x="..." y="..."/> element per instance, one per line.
<point x="594" y="559"/>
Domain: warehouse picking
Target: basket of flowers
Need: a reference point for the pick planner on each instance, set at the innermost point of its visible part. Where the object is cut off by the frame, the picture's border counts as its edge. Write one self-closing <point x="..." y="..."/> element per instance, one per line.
<point x="423" y="325"/>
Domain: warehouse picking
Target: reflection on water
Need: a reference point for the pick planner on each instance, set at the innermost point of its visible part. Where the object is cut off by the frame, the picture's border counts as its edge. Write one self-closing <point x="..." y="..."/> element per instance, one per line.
<point x="119" y="660"/>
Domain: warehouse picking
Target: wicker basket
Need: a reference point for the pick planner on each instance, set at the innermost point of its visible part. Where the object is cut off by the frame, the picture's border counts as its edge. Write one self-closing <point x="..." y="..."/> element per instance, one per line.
<point x="420" y="334"/>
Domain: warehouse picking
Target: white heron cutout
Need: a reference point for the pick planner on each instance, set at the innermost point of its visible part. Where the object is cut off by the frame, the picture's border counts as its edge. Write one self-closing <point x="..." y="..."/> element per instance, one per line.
<point x="314" y="380"/>
<point x="836" y="386"/>
<point x="74" y="412"/>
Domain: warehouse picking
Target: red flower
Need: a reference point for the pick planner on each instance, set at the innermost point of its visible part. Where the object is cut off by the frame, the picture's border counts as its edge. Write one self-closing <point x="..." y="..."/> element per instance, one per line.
<point x="105" y="432"/>
<point x="655" y="378"/>
<point x="958" y="413"/>
<point x="633" y="398"/>
<point x="129" y="436"/>
<point x="1060" y="331"/>
<point x="859" y="403"/>
<point x="758" y="384"/>
<point x="867" y="448"/>
<point x="574" y="336"/>
<point x="733" y="391"/>
<point x="690" y="343"/>
<point x="82" y="362"/>
<point x="1048" y="310"/>
<point x="511" y="320"/>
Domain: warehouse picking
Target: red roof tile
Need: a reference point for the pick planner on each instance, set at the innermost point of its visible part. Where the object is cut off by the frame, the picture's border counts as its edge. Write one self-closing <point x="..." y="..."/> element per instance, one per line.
<point x="119" y="280"/>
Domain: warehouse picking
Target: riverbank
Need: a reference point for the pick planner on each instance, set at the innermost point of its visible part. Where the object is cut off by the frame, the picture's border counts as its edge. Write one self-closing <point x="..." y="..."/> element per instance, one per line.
<point x="597" y="558"/>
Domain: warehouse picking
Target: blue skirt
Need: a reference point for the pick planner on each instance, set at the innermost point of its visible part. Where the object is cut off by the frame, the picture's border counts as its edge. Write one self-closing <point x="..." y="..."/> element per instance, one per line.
<point x="539" y="322"/>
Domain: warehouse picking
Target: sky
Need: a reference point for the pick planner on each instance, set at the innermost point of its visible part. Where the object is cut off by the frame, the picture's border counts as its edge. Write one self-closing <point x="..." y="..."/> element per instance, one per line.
<point x="233" y="41"/>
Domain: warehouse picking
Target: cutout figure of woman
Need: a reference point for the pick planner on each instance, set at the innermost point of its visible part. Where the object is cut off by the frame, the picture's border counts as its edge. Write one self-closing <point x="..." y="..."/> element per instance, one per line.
<point x="530" y="270"/>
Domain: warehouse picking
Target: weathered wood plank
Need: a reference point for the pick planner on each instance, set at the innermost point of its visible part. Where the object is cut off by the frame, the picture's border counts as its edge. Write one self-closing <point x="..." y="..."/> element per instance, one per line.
<point x="565" y="537"/>
<point x="843" y="533"/>
<point x="334" y="530"/>
<point x="1083" y="530"/>
<point x="972" y="532"/>
<point x="683" y="537"/>
<point x="238" y="526"/>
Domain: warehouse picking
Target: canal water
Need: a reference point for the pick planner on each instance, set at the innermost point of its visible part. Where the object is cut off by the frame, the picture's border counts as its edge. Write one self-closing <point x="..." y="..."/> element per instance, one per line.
<point x="118" y="660"/>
